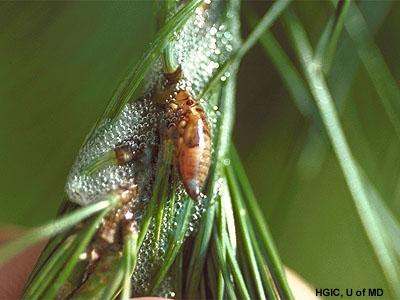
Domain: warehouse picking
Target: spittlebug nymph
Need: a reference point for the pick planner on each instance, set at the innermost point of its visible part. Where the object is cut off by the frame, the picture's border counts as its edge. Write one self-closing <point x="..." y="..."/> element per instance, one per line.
<point x="125" y="154"/>
<point x="192" y="139"/>
<point x="191" y="135"/>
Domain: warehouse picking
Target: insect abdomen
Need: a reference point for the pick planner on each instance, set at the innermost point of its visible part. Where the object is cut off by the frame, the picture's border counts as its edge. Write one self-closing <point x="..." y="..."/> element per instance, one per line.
<point x="194" y="152"/>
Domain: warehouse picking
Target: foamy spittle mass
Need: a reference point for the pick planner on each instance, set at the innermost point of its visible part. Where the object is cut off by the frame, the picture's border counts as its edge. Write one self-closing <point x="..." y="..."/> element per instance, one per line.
<point x="205" y="42"/>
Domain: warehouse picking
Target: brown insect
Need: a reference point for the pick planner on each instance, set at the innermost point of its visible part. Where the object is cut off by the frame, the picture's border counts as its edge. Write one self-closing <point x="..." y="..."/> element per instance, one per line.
<point x="125" y="154"/>
<point x="192" y="138"/>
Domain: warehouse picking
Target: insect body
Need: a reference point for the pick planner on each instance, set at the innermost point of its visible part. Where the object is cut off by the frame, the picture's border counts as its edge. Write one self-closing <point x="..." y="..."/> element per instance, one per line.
<point x="191" y="135"/>
<point x="125" y="154"/>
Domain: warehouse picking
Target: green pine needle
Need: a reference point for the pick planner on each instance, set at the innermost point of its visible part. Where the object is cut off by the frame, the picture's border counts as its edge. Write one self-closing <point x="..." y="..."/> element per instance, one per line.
<point x="373" y="61"/>
<point x="266" y="22"/>
<point x="232" y="254"/>
<point x="52" y="228"/>
<point x="133" y="80"/>
<point x="373" y="227"/>
<point x="327" y="44"/>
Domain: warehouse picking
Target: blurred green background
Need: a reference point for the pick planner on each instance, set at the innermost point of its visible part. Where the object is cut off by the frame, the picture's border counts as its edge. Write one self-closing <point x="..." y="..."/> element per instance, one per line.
<point x="61" y="61"/>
